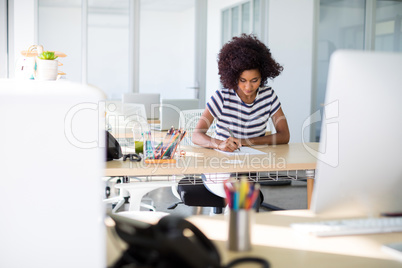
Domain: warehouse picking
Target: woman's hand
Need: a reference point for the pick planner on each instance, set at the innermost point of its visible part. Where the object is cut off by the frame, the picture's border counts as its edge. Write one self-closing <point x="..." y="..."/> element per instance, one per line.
<point x="229" y="145"/>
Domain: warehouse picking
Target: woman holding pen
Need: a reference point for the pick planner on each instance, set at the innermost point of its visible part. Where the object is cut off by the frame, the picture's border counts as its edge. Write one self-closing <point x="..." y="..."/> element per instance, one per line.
<point x="244" y="105"/>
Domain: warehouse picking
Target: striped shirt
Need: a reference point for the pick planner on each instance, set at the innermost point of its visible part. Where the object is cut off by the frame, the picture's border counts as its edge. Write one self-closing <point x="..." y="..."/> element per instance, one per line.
<point x="245" y="120"/>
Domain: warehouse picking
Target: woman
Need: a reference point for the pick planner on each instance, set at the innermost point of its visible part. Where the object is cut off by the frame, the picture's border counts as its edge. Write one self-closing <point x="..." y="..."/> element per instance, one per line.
<point x="244" y="105"/>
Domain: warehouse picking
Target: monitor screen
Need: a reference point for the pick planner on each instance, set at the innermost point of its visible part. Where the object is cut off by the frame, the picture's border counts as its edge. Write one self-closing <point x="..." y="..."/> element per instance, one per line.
<point x="151" y="102"/>
<point x="359" y="172"/>
<point x="170" y="111"/>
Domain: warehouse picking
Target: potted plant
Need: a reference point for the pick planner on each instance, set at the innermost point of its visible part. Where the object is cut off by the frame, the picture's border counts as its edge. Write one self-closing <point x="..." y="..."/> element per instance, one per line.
<point x="46" y="66"/>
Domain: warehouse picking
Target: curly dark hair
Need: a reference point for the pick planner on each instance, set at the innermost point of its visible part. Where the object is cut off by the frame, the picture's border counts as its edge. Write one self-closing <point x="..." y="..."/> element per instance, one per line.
<point x="245" y="53"/>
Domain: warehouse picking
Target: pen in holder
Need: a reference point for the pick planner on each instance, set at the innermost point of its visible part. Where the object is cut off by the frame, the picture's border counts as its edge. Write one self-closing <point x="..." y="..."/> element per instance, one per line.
<point x="149" y="148"/>
<point x="165" y="151"/>
<point x="241" y="197"/>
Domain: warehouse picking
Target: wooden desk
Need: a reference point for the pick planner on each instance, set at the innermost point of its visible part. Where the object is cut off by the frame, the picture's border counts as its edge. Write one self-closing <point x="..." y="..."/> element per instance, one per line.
<point x="198" y="160"/>
<point x="274" y="240"/>
<point x="201" y="160"/>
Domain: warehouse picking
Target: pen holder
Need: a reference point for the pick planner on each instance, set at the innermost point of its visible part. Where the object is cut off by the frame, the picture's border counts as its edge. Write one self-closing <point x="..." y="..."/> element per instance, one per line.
<point x="239" y="238"/>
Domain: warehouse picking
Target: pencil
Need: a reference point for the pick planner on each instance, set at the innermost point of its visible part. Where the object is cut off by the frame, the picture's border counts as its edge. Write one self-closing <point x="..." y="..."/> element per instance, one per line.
<point x="232" y="135"/>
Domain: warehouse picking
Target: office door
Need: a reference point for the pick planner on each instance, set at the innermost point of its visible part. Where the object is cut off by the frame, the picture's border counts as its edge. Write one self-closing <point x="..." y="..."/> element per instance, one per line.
<point x="167" y="49"/>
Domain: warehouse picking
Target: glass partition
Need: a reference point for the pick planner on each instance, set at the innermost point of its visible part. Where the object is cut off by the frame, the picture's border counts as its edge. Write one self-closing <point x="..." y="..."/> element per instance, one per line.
<point x="241" y="18"/>
<point x="257" y="17"/>
<point x="225" y="26"/>
<point x="235" y="21"/>
<point x="341" y="26"/>
<point x="245" y="17"/>
<point x="388" y="28"/>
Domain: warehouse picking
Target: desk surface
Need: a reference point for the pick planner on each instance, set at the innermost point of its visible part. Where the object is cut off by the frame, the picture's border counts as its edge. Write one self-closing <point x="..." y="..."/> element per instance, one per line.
<point x="199" y="160"/>
<point x="273" y="239"/>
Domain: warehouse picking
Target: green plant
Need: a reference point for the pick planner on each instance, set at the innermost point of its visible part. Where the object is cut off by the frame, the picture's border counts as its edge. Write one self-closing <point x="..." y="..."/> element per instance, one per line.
<point x="47" y="55"/>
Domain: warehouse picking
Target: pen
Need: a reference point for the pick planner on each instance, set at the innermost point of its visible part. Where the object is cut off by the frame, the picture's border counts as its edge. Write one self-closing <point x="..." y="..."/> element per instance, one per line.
<point x="241" y="194"/>
<point x="231" y="135"/>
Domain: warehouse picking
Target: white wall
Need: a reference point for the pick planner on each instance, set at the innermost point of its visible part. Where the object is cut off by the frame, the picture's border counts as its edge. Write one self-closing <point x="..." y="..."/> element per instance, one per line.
<point x="290" y="36"/>
<point x="60" y="30"/>
<point x="291" y="40"/>
<point x="108" y="36"/>
<point x="23" y="35"/>
<point x="167" y="53"/>
<point x="214" y="32"/>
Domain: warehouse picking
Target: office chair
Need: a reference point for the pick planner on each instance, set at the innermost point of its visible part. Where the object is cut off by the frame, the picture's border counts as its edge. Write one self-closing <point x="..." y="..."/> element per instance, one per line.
<point x="121" y="118"/>
<point x="193" y="193"/>
<point x="188" y="119"/>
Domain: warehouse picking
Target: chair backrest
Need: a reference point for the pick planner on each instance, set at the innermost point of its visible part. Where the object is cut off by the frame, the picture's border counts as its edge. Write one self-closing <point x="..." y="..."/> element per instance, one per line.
<point x="170" y="111"/>
<point x="188" y="120"/>
<point x="151" y="101"/>
<point x="122" y="117"/>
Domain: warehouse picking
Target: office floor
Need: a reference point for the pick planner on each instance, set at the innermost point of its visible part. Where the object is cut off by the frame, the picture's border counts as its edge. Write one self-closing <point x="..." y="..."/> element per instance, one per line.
<point x="292" y="196"/>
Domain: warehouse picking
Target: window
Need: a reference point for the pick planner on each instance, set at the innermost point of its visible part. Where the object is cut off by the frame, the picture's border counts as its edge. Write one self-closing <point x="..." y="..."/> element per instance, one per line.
<point x="242" y="18"/>
<point x="346" y="24"/>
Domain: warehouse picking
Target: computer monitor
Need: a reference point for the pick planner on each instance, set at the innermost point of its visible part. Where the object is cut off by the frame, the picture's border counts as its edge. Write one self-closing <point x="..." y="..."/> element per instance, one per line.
<point x="170" y="111"/>
<point x="51" y="165"/>
<point x="151" y="102"/>
<point x="359" y="172"/>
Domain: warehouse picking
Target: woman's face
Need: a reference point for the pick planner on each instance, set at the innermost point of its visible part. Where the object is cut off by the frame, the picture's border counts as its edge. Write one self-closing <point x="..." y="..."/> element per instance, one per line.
<point x="249" y="82"/>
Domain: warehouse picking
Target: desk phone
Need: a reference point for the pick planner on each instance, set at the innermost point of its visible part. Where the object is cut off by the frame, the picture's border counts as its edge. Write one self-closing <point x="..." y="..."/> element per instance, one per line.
<point x="172" y="242"/>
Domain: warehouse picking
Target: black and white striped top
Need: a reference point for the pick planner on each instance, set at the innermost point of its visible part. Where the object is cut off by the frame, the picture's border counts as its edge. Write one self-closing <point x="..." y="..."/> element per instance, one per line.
<point x="245" y="120"/>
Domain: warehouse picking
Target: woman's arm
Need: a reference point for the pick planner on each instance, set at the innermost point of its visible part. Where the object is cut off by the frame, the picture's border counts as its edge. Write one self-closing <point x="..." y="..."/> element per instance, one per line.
<point x="202" y="139"/>
<point x="281" y="136"/>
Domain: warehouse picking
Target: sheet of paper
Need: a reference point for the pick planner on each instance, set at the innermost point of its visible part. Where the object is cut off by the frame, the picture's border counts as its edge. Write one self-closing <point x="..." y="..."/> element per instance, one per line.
<point x="244" y="150"/>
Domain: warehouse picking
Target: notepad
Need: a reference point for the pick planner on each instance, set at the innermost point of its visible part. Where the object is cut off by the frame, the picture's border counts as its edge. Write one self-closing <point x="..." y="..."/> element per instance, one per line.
<point x="244" y="150"/>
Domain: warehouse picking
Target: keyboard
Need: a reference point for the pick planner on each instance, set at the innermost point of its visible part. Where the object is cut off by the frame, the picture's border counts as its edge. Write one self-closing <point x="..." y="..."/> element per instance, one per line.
<point x="350" y="226"/>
